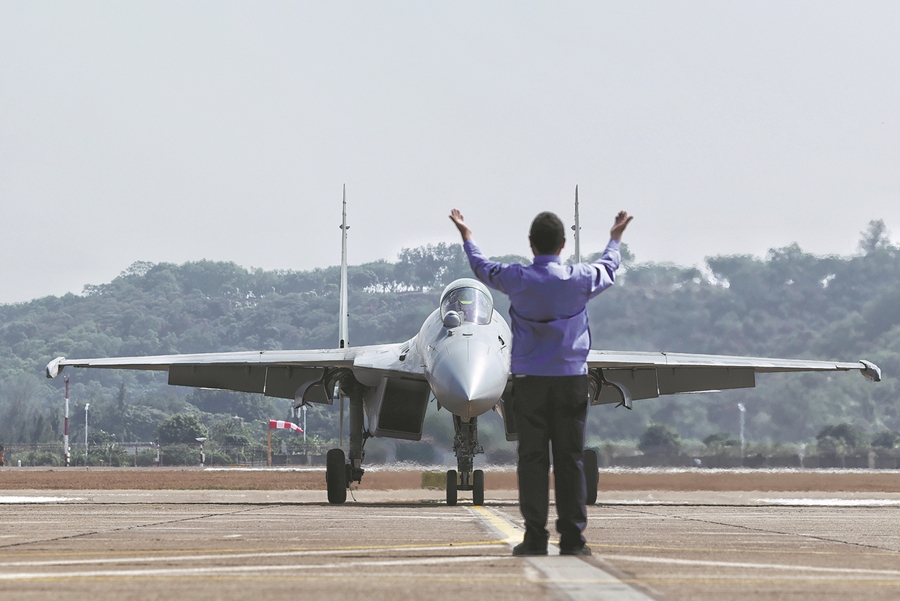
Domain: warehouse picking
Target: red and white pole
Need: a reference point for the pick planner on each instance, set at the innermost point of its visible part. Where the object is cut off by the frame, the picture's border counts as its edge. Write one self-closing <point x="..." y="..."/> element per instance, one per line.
<point x="66" y="427"/>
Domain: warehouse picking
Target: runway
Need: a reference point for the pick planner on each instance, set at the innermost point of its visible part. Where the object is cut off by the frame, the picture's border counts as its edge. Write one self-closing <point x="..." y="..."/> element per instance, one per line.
<point x="271" y="545"/>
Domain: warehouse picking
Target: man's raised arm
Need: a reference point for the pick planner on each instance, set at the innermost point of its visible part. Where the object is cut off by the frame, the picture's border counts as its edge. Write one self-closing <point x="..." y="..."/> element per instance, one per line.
<point x="618" y="228"/>
<point x="457" y="219"/>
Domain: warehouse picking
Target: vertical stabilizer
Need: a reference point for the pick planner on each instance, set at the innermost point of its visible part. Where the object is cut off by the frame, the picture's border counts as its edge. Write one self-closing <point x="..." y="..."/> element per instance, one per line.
<point x="577" y="228"/>
<point x="343" y="341"/>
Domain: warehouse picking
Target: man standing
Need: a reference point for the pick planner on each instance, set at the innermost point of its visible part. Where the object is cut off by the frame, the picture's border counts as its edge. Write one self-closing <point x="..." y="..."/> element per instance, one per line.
<point x="551" y="340"/>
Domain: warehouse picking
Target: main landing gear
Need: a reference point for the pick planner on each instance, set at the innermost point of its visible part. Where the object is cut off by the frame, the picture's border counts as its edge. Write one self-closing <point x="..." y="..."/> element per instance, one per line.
<point x="591" y="475"/>
<point x="338" y="472"/>
<point x="465" y="445"/>
<point x="336" y="476"/>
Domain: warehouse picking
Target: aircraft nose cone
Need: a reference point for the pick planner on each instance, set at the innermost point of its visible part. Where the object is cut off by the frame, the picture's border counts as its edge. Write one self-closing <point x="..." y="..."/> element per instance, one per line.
<point x="468" y="377"/>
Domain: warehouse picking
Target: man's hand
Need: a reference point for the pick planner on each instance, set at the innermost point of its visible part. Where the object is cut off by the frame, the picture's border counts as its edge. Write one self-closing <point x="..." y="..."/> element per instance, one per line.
<point x="622" y="221"/>
<point x="457" y="219"/>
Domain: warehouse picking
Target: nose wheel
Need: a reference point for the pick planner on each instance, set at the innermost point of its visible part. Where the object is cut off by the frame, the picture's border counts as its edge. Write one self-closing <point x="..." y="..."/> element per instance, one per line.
<point x="473" y="481"/>
<point x="478" y="488"/>
<point x="465" y="445"/>
<point x="452" y="483"/>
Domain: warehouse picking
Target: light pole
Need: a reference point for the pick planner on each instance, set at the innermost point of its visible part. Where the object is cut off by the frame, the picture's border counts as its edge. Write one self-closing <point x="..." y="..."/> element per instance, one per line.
<point x="201" y="440"/>
<point x="86" y="406"/>
<point x="66" y="427"/>
<point x="743" y="410"/>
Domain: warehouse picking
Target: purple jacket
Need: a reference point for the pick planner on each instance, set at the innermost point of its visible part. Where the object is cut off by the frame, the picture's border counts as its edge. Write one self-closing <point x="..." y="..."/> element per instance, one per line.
<point x="548" y="312"/>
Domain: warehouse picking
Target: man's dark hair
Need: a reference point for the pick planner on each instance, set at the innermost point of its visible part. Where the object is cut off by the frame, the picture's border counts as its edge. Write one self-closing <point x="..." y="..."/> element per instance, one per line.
<point x="547" y="233"/>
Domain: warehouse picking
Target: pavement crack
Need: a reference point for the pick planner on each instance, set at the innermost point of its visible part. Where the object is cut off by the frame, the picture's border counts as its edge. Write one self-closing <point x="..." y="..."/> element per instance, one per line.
<point x="131" y="527"/>
<point x="762" y="530"/>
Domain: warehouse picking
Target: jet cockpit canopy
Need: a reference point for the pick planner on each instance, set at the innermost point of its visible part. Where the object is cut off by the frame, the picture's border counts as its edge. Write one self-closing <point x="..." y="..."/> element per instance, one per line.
<point x="470" y="300"/>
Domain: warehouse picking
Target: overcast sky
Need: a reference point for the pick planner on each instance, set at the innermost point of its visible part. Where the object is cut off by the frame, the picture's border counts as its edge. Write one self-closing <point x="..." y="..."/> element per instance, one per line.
<point x="180" y="131"/>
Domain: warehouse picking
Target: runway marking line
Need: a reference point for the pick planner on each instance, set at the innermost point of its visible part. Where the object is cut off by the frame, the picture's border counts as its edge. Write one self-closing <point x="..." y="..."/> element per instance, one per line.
<point x="202" y="571"/>
<point x="394" y="578"/>
<point x="513" y="580"/>
<point x="506" y="528"/>
<point x="21" y="500"/>
<point x="830" y="502"/>
<point x="572" y="576"/>
<point x="167" y="555"/>
<point x="747" y="565"/>
<point x="756" y="551"/>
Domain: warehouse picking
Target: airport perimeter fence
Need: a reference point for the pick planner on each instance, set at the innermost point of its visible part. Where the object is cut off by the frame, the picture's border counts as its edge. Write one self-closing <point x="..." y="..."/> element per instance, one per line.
<point x="884" y="459"/>
<point x="147" y="454"/>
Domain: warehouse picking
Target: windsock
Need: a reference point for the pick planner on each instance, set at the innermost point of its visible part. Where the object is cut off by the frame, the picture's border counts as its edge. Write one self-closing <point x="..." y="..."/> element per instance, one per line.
<point x="275" y="424"/>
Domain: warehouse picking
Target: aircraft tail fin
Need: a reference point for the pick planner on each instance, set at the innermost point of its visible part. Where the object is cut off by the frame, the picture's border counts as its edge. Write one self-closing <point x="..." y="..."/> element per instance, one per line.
<point x="343" y="317"/>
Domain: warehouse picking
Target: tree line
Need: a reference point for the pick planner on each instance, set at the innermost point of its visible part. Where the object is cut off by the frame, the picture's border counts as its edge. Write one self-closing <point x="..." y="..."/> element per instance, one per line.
<point x="787" y="304"/>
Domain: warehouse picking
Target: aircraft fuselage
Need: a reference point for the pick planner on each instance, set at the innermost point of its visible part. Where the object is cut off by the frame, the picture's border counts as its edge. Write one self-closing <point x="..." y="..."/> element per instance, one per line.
<point x="467" y="366"/>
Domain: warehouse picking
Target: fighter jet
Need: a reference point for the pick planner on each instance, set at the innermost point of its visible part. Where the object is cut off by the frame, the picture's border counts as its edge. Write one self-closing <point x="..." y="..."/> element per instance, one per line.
<point x="461" y="358"/>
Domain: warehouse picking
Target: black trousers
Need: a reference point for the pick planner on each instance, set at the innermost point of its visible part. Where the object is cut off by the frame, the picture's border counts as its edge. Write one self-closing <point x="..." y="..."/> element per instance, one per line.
<point x="550" y="413"/>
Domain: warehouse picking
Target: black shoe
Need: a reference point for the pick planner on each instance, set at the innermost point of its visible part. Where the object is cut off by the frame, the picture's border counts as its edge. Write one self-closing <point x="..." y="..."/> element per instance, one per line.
<point x="527" y="549"/>
<point x="582" y="550"/>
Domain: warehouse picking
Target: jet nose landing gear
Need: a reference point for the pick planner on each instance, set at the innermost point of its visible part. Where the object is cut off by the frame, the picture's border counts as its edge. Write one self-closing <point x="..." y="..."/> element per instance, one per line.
<point x="466" y="446"/>
<point x="473" y="481"/>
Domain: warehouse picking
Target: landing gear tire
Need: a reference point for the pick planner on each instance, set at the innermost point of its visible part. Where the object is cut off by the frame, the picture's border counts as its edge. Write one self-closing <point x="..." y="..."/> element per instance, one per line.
<point x="451" y="487"/>
<point x="336" y="476"/>
<point x="591" y="475"/>
<point x="478" y="488"/>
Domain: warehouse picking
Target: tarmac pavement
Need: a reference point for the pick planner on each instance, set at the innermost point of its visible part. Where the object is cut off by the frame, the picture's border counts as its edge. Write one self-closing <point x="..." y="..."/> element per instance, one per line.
<point x="103" y="545"/>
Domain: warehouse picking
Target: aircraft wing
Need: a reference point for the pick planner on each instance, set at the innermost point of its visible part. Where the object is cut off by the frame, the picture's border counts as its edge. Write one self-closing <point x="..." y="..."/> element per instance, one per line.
<point x="285" y="374"/>
<point x="644" y="375"/>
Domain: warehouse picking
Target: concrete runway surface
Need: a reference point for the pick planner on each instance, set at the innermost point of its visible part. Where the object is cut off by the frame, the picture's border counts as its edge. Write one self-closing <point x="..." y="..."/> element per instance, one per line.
<point x="264" y="545"/>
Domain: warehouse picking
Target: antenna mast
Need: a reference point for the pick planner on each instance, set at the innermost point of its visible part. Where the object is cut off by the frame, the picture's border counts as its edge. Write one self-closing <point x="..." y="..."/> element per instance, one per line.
<point x="344" y="311"/>
<point x="577" y="228"/>
<point x="66" y="431"/>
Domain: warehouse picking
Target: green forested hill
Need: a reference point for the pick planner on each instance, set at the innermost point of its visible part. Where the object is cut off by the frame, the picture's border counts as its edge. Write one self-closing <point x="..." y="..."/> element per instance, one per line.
<point x="197" y="307"/>
<point x="789" y="304"/>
